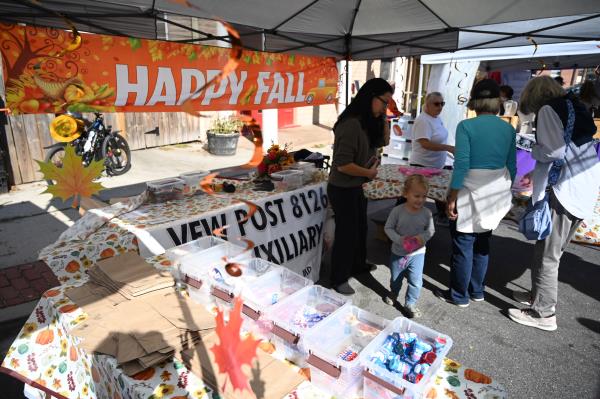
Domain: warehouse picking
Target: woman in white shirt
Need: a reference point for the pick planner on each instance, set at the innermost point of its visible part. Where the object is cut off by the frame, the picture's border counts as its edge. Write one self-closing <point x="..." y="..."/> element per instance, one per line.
<point x="429" y="146"/>
<point x="571" y="199"/>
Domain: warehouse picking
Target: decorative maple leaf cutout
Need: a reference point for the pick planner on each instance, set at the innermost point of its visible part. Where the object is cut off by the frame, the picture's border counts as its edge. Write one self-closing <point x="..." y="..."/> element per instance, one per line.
<point x="232" y="352"/>
<point x="73" y="179"/>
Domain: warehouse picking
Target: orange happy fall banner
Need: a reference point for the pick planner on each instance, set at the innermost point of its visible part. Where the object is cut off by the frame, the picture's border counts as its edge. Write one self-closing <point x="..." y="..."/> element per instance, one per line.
<point x="116" y="74"/>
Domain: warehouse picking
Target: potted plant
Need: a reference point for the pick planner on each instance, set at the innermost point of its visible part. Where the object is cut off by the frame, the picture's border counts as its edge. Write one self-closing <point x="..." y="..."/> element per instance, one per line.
<point x="223" y="136"/>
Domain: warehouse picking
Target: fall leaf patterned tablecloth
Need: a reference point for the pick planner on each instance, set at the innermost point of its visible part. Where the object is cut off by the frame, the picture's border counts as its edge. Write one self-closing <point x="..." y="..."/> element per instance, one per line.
<point x="389" y="181"/>
<point x="104" y="232"/>
<point x="47" y="355"/>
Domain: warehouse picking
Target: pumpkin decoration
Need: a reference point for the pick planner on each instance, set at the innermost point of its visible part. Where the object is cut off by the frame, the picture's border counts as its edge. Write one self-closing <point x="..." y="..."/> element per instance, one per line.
<point x="432" y="394"/>
<point x="107" y="253"/>
<point x="45" y="337"/>
<point x="145" y="374"/>
<point x="73" y="354"/>
<point x="267" y="347"/>
<point x="67" y="308"/>
<point x="477" y="377"/>
<point x="51" y="293"/>
<point x="72" y="266"/>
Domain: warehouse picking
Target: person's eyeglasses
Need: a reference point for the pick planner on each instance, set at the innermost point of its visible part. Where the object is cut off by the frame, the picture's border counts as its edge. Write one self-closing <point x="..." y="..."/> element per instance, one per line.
<point x="439" y="104"/>
<point x="383" y="101"/>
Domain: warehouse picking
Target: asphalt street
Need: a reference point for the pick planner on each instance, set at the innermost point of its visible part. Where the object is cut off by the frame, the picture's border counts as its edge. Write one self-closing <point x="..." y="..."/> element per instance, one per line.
<point x="529" y="362"/>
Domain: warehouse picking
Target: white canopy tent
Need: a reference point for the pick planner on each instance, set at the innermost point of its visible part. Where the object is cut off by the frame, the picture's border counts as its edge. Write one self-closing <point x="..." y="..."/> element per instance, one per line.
<point x="449" y="67"/>
<point x="554" y="56"/>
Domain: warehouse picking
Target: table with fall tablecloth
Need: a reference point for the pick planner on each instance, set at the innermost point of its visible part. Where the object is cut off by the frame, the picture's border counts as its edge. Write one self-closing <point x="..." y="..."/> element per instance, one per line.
<point x="47" y="357"/>
<point x="390" y="179"/>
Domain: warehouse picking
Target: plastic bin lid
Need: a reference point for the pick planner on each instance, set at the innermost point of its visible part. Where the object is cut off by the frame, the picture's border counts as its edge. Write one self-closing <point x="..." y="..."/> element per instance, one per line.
<point x="194" y="174"/>
<point x="171" y="181"/>
<point x="285" y="173"/>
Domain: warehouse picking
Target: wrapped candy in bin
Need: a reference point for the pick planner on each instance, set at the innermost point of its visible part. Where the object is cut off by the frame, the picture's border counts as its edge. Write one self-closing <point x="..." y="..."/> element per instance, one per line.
<point x="266" y="291"/>
<point x="195" y="270"/>
<point x="402" y="360"/>
<point x="334" y="346"/>
<point x="295" y="315"/>
<point x="229" y="279"/>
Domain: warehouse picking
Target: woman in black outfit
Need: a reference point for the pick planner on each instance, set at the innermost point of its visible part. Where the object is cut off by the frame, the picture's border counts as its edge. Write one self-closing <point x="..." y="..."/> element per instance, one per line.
<point x="358" y="132"/>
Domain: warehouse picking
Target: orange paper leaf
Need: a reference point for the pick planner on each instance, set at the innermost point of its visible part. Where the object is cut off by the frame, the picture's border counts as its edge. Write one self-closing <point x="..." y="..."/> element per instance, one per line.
<point x="73" y="179"/>
<point x="232" y="352"/>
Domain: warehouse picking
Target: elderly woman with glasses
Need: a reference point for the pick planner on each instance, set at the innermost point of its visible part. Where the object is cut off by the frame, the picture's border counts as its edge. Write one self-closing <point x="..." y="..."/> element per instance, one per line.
<point x="358" y="132"/>
<point x="429" y="147"/>
<point x="479" y="195"/>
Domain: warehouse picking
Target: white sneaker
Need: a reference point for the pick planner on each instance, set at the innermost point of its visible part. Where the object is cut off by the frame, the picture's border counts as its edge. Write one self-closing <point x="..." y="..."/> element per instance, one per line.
<point x="522" y="297"/>
<point x="531" y="318"/>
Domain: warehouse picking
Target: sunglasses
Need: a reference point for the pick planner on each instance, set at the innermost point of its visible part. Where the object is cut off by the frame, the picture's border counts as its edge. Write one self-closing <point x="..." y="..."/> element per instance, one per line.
<point x="439" y="104"/>
<point x="383" y="101"/>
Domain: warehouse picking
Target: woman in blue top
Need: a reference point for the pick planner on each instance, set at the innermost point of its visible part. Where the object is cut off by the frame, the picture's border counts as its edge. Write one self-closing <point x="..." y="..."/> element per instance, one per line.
<point x="479" y="195"/>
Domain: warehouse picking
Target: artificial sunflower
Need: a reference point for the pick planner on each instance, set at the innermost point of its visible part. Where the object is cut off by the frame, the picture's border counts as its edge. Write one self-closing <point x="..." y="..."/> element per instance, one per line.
<point x="163" y="390"/>
<point x="28" y="329"/>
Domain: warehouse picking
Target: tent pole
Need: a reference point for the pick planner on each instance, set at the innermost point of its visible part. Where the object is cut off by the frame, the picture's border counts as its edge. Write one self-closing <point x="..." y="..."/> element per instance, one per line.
<point x="420" y="89"/>
<point x="347" y="87"/>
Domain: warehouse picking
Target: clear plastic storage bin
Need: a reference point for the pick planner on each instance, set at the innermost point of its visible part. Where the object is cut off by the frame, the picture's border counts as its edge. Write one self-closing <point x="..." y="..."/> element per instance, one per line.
<point x="266" y="291"/>
<point x="226" y="285"/>
<point x="192" y="181"/>
<point x="197" y="269"/>
<point x="380" y="383"/>
<point x="287" y="180"/>
<point x="295" y="315"/>
<point x="308" y="170"/>
<point x="334" y="346"/>
<point x="176" y="253"/>
<point x="165" y="190"/>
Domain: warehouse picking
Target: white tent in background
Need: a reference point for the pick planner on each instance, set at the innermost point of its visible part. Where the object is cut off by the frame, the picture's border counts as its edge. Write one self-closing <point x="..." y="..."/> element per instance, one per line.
<point x="452" y="73"/>
<point x="554" y="56"/>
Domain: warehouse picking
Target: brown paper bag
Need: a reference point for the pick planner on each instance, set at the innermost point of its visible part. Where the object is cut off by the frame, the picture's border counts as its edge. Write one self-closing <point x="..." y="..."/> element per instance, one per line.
<point x="269" y="378"/>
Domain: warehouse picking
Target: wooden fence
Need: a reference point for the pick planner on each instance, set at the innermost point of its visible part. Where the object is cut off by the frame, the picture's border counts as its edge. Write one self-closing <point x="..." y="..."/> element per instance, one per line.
<point x="27" y="135"/>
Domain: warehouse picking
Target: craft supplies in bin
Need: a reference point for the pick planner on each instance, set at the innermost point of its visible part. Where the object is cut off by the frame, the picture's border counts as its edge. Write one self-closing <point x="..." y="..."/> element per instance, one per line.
<point x="192" y="181"/>
<point x="266" y="291"/>
<point x="165" y="190"/>
<point x="334" y="346"/>
<point x="287" y="180"/>
<point x="402" y="360"/>
<point x="198" y="268"/>
<point x="229" y="279"/>
<point x="295" y="315"/>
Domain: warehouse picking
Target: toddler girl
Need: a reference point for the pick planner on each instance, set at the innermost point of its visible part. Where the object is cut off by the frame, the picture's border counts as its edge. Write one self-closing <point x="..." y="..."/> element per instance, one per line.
<point x="409" y="226"/>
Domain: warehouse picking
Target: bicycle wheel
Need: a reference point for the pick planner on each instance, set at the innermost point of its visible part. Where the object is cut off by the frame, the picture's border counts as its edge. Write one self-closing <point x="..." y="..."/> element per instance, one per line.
<point x="116" y="154"/>
<point x="56" y="156"/>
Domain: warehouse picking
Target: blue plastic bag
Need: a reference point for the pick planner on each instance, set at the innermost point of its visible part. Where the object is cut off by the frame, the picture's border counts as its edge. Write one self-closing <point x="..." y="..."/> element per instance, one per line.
<point x="536" y="224"/>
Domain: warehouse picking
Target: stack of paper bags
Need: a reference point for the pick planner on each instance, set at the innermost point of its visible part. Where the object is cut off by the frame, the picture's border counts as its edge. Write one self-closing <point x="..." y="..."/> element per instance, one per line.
<point x="137" y="316"/>
<point x="130" y="275"/>
<point x="269" y="378"/>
